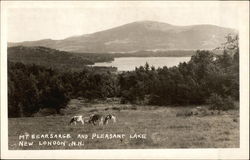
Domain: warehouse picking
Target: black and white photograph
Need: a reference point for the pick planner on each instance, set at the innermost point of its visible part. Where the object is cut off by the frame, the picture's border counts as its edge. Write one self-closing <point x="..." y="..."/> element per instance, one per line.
<point x="125" y="76"/>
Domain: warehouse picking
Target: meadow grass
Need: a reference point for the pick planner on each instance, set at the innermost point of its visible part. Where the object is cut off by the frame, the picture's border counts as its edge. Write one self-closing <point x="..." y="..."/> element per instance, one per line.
<point x="162" y="127"/>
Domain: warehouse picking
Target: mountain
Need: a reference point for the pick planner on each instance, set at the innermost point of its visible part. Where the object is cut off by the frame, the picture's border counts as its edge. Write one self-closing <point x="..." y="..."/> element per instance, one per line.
<point x="141" y="35"/>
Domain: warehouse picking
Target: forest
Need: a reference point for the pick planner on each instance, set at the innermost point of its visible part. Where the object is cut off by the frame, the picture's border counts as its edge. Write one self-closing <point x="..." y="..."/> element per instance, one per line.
<point x="55" y="59"/>
<point x="208" y="78"/>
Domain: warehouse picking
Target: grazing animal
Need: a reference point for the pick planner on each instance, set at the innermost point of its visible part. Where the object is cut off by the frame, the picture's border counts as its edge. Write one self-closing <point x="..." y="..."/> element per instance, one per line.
<point x="76" y="119"/>
<point x="108" y="117"/>
<point x="86" y="119"/>
<point x="96" y="117"/>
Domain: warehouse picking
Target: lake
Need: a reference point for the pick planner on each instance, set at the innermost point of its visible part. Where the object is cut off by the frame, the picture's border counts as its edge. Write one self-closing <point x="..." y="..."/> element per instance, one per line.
<point x="129" y="63"/>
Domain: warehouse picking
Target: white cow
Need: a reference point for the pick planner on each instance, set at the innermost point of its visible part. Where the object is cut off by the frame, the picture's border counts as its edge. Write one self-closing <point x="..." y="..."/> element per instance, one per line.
<point x="108" y="117"/>
<point x="76" y="119"/>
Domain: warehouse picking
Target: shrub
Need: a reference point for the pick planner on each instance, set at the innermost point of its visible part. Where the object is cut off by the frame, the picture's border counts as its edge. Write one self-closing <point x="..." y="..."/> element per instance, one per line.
<point x="228" y="103"/>
<point x="216" y="102"/>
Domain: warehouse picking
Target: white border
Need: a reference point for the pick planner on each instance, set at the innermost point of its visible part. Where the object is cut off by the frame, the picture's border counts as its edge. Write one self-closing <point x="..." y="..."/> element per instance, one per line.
<point x="238" y="153"/>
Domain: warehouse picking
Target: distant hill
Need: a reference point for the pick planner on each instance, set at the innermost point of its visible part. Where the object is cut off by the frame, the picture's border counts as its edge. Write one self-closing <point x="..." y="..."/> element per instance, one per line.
<point x="141" y="35"/>
<point x="53" y="58"/>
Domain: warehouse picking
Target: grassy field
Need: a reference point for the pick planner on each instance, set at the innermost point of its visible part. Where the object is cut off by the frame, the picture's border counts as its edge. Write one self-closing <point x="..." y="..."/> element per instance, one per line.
<point x="161" y="125"/>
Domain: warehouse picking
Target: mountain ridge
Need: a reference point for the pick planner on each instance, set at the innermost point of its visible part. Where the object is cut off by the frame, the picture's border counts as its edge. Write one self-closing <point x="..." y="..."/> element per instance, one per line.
<point x="140" y="35"/>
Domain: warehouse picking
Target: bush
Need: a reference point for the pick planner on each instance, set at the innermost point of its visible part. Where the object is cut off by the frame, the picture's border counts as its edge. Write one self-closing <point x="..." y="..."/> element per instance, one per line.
<point x="216" y="102"/>
<point x="228" y="103"/>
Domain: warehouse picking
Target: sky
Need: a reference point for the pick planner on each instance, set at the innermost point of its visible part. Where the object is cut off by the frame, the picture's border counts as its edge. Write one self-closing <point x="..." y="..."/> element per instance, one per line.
<point x="31" y="21"/>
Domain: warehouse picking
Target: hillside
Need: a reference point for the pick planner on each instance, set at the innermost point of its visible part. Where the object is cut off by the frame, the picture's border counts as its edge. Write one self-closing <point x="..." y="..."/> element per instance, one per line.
<point x="53" y="58"/>
<point x="142" y="35"/>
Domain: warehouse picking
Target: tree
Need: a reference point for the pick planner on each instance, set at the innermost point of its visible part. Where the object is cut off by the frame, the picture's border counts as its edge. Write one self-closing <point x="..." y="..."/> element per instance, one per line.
<point x="31" y="87"/>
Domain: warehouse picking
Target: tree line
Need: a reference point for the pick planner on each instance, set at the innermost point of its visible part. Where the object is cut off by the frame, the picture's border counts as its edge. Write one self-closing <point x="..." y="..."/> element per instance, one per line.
<point x="188" y="83"/>
<point x="32" y="87"/>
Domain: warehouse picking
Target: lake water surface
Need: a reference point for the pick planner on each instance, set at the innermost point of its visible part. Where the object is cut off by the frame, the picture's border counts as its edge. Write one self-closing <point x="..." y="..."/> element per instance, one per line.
<point x="129" y="63"/>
